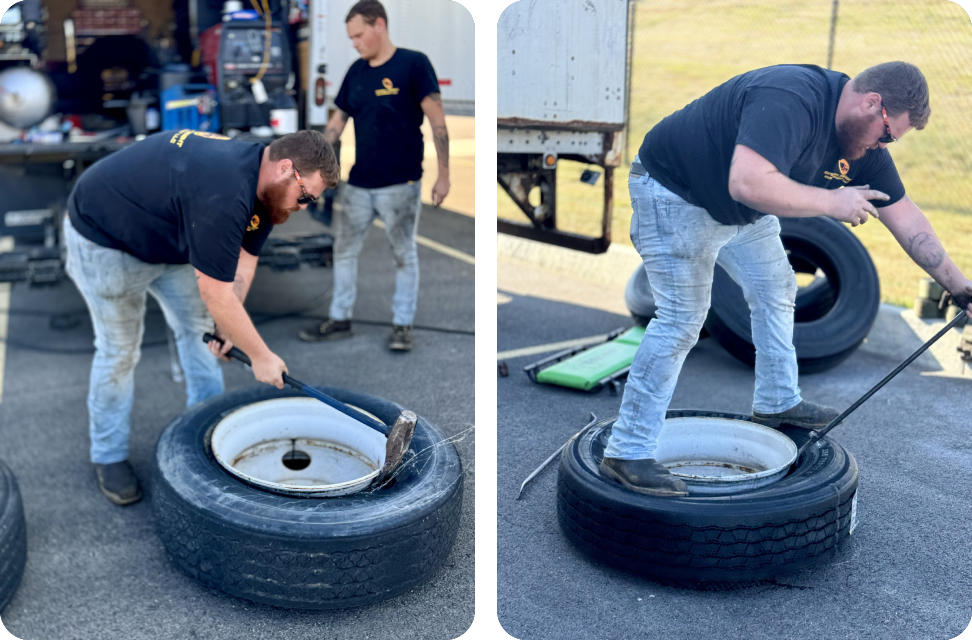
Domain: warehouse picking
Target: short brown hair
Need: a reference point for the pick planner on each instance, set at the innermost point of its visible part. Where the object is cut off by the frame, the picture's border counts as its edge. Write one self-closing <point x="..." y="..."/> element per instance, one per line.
<point x="309" y="151"/>
<point x="369" y="10"/>
<point x="902" y="87"/>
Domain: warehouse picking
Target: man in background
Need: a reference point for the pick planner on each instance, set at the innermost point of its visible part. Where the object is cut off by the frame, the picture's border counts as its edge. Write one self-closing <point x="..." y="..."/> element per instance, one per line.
<point x="387" y="92"/>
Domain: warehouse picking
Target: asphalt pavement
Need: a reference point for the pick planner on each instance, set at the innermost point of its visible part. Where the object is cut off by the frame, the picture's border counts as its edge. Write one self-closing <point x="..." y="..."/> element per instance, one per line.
<point x="96" y="570"/>
<point x="906" y="572"/>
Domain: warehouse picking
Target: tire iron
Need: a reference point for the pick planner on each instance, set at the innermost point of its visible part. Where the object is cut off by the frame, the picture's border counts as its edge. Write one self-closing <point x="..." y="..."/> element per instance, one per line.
<point x="554" y="455"/>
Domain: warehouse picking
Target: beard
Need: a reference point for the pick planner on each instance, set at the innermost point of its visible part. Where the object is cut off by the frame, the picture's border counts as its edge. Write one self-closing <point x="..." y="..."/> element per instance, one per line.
<point x="853" y="134"/>
<point x="275" y="199"/>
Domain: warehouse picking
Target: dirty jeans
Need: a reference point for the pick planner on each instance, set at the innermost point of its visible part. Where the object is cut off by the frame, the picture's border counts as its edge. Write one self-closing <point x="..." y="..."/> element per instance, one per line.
<point x="398" y="206"/>
<point x="113" y="284"/>
<point x="680" y="245"/>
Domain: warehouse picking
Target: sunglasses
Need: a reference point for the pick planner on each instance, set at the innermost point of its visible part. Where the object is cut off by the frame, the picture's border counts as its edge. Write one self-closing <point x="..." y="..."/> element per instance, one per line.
<point x="887" y="138"/>
<point x="306" y="198"/>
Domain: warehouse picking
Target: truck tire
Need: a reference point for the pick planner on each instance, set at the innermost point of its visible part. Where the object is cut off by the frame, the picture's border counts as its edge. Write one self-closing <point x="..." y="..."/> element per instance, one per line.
<point x="821" y="342"/>
<point x="304" y="553"/>
<point x="13" y="536"/>
<point x="701" y="541"/>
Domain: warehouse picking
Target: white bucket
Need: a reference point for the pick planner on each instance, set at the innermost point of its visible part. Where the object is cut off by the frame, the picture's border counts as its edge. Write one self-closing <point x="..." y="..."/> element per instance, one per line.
<point x="283" y="121"/>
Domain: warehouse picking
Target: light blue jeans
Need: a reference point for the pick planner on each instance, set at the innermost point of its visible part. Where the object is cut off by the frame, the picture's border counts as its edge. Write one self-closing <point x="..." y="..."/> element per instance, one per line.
<point x="113" y="284"/>
<point x="398" y="206"/>
<point x="680" y="245"/>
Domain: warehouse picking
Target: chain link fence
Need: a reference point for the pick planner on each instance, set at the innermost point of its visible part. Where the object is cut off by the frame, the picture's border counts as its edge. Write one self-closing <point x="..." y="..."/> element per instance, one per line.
<point x="682" y="50"/>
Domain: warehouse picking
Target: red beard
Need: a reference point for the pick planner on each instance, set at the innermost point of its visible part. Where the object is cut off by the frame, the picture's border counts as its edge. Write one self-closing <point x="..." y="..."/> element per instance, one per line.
<point x="853" y="134"/>
<point x="275" y="199"/>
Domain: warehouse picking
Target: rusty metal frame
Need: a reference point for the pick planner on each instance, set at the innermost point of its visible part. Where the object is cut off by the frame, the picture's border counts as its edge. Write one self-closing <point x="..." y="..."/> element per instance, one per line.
<point x="542" y="225"/>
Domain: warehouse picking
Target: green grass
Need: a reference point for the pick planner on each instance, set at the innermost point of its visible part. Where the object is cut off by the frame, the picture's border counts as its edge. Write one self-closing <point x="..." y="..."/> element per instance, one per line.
<point x="682" y="50"/>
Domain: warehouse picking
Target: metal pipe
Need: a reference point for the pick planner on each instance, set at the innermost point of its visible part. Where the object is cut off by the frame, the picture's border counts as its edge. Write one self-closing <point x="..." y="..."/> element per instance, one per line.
<point x="553" y="455"/>
<point x="816" y="435"/>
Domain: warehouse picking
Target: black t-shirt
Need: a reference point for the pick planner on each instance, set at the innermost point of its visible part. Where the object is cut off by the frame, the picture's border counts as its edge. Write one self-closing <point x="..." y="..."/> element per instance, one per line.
<point x="385" y="104"/>
<point x="784" y="113"/>
<point x="176" y="197"/>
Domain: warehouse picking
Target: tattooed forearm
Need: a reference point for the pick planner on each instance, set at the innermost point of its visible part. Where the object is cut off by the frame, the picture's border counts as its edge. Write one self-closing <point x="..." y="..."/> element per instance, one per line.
<point x="239" y="287"/>
<point x="926" y="250"/>
<point x="332" y="135"/>
<point x="441" y="136"/>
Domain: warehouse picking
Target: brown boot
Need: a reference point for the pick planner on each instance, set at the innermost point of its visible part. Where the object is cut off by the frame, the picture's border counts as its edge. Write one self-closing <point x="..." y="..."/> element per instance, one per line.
<point x="644" y="476"/>
<point x="806" y="414"/>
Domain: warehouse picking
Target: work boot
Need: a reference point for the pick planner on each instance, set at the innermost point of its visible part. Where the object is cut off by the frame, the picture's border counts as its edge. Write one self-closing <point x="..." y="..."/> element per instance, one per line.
<point x="806" y="414"/>
<point x="644" y="476"/>
<point x="118" y="482"/>
<point x="400" y="338"/>
<point x="328" y="330"/>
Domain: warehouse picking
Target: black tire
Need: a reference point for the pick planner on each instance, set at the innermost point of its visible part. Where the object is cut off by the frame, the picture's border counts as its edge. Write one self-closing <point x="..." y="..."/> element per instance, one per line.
<point x="823" y="342"/>
<point x="301" y="552"/>
<point x="796" y="522"/>
<point x="13" y="536"/>
<point x="814" y="301"/>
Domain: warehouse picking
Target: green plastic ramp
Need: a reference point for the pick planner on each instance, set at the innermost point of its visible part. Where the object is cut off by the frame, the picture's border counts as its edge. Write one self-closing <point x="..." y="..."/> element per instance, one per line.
<point x="586" y="369"/>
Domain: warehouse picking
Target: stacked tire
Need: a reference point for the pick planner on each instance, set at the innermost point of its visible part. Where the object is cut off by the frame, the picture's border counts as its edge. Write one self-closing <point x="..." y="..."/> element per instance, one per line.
<point x="13" y="537"/>
<point x="833" y="313"/>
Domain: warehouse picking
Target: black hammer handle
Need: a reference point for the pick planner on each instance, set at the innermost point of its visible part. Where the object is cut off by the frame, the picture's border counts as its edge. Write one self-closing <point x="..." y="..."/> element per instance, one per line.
<point x="307" y="389"/>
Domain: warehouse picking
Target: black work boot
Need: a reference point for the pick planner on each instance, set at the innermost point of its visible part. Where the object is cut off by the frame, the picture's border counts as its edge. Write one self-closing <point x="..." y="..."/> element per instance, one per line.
<point x="328" y="330"/>
<point x="806" y="414"/>
<point x="118" y="482"/>
<point x="644" y="476"/>
<point x="400" y="338"/>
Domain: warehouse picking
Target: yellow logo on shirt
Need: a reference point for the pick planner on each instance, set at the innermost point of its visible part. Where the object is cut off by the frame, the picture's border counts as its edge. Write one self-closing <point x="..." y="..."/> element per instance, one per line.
<point x="180" y="136"/>
<point x="254" y="223"/>
<point x="389" y="90"/>
<point x="844" y="167"/>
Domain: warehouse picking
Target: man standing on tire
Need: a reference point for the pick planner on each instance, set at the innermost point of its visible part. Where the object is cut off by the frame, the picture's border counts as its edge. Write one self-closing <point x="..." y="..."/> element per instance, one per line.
<point x="387" y="92"/>
<point x="180" y="215"/>
<point x="707" y="186"/>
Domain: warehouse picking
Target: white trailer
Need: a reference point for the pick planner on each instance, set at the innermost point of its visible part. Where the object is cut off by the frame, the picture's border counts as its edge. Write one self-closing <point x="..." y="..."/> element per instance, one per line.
<point x="441" y="29"/>
<point x="562" y="79"/>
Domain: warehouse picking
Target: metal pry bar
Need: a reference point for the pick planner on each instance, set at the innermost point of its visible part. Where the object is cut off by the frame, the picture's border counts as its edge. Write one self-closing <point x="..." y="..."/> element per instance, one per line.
<point x="554" y="455"/>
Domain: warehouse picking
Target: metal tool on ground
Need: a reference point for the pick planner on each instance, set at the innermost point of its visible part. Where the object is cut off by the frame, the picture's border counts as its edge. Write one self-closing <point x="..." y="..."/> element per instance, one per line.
<point x="307" y="389"/>
<point x="816" y="435"/>
<point x="557" y="453"/>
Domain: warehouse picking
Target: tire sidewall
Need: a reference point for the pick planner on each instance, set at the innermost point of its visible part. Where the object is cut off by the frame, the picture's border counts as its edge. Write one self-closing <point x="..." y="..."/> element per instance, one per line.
<point x="623" y="525"/>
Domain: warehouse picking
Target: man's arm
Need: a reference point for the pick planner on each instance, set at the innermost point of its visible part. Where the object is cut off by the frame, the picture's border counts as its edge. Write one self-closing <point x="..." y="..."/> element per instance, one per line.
<point x="432" y="107"/>
<point x="335" y="126"/>
<point x="914" y="233"/>
<point x="225" y="302"/>
<point x="245" y="270"/>
<point x="755" y="182"/>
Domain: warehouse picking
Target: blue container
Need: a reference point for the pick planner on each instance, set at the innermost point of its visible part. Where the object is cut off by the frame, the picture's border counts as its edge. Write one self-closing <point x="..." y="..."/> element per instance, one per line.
<point x="190" y="106"/>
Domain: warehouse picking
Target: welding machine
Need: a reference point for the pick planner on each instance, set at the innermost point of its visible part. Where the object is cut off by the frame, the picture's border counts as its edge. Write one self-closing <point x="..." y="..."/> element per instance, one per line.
<point x="244" y="54"/>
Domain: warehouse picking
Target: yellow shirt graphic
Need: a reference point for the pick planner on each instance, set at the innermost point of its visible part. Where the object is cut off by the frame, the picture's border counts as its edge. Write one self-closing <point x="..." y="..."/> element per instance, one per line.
<point x="389" y="90"/>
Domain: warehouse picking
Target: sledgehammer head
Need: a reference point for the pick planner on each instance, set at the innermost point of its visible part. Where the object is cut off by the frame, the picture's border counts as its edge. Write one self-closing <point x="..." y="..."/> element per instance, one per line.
<point x="399" y="438"/>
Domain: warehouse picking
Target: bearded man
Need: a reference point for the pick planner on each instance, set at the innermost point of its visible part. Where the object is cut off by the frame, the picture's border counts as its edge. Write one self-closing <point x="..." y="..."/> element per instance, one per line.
<point x="707" y="187"/>
<point x="181" y="216"/>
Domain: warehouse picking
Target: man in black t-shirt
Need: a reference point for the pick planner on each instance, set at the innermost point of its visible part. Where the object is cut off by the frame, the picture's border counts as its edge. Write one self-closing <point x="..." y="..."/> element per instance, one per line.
<point x="387" y="92"/>
<point x="707" y="186"/>
<point x="182" y="216"/>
